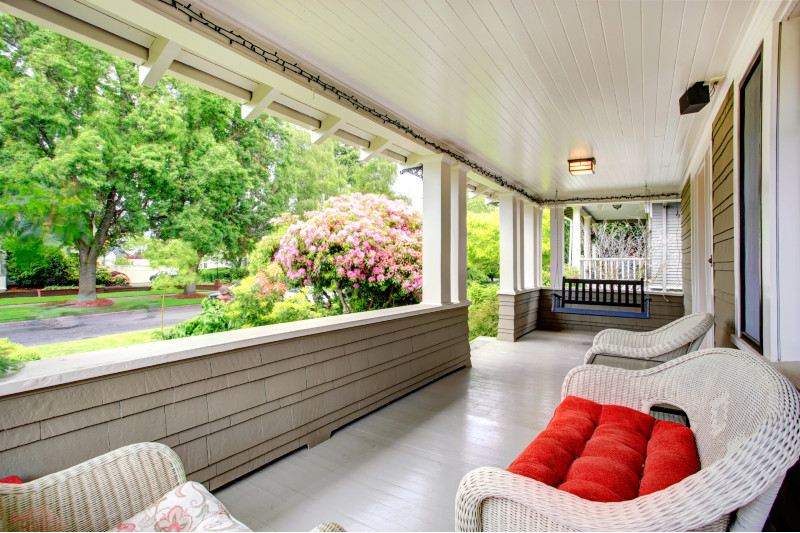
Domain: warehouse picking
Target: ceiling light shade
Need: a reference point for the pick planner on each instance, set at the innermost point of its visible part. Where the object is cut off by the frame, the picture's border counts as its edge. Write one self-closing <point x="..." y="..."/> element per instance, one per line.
<point x="578" y="167"/>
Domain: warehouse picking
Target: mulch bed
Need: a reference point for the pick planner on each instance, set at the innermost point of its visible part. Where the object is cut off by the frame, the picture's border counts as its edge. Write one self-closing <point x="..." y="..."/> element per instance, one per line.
<point x="102" y="302"/>
<point x="48" y="304"/>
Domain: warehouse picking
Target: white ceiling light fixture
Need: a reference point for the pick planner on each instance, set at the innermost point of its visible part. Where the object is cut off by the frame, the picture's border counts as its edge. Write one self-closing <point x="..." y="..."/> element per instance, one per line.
<point x="579" y="167"/>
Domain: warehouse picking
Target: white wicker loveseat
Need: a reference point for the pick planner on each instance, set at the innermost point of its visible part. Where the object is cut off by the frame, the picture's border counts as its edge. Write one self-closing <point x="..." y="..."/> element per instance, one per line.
<point x="102" y="493"/>
<point x="636" y="350"/>
<point x="745" y="416"/>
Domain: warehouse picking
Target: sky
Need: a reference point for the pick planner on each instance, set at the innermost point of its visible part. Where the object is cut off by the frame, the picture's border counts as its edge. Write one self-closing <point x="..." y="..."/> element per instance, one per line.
<point x="409" y="186"/>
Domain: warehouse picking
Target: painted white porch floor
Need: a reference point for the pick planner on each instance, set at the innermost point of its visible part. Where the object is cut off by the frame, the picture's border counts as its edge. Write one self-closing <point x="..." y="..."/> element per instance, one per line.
<point x="398" y="468"/>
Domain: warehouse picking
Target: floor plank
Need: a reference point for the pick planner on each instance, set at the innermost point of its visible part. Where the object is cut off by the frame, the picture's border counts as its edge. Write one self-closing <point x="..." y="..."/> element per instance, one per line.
<point x="398" y="469"/>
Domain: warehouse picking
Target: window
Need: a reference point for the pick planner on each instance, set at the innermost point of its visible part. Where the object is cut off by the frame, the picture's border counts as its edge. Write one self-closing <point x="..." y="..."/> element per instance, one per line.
<point x="750" y="288"/>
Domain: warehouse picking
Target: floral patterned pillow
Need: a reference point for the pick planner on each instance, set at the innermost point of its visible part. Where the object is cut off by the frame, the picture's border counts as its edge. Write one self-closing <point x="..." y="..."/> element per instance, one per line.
<point x="187" y="507"/>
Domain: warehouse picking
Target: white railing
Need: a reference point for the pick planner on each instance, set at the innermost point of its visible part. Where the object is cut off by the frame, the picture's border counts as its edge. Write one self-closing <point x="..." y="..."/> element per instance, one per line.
<point x="614" y="268"/>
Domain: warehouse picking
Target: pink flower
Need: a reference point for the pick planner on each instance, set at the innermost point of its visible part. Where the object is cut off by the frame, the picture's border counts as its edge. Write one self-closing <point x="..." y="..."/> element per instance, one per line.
<point x="371" y="279"/>
<point x="355" y="285"/>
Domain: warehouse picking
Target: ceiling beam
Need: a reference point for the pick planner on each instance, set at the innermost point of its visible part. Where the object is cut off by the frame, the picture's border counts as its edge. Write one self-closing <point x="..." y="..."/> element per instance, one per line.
<point x="75" y="28"/>
<point x="376" y="146"/>
<point x="161" y="55"/>
<point x="479" y="189"/>
<point x="263" y="96"/>
<point x="327" y="128"/>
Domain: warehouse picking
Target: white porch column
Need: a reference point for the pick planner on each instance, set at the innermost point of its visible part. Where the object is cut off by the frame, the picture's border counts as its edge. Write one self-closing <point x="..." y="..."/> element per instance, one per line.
<point x="519" y="218"/>
<point x="587" y="239"/>
<point x="537" y="246"/>
<point x="529" y="246"/>
<point x="575" y="238"/>
<point x="556" y="245"/>
<point x="518" y="303"/>
<point x="508" y="243"/>
<point x="435" y="229"/>
<point x="458" y="234"/>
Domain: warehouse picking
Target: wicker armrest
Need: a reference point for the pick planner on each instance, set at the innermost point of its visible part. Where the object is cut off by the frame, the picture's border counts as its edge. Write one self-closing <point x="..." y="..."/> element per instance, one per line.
<point x="661" y="353"/>
<point x="617" y="336"/>
<point x="491" y="499"/>
<point x="95" y="495"/>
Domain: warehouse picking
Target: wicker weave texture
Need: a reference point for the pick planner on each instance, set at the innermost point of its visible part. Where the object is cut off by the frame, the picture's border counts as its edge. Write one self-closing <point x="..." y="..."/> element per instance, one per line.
<point x="746" y="419"/>
<point x="677" y="338"/>
<point x="95" y="495"/>
<point x="329" y="526"/>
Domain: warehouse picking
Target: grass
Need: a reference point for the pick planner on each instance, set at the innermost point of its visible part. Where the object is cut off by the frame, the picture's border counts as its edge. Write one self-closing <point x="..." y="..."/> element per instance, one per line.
<point x="98" y="343"/>
<point x="14" y="314"/>
<point x="48" y="299"/>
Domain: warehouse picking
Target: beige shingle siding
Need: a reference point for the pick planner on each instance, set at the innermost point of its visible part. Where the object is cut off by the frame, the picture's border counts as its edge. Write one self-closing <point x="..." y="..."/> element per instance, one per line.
<point x="722" y="201"/>
<point x="686" y="246"/>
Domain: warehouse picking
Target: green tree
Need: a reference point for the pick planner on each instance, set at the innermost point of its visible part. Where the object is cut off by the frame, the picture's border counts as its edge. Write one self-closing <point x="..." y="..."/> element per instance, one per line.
<point x="32" y="263"/>
<point x="483" y="246"/>
<point x="86" y="152"/>
<point x="483" y="240"/>
<point x="546" y="247"/>
<point x="230" y="183"/>
<point x="180" y="258"/>
<point x="318" y="172"/>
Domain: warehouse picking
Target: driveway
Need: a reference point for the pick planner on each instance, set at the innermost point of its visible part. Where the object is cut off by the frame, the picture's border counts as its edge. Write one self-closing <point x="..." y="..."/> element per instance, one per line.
<point x="80" y="327"/>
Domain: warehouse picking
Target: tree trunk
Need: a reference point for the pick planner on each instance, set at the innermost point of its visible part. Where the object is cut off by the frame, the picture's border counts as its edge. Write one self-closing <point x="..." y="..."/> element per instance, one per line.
<point x="87" y="275"/>
<point x="345" y="307"/>
<point x="191" y="288"/>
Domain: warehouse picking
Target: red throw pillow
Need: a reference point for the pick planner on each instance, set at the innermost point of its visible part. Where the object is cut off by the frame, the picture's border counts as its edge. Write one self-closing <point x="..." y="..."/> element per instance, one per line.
<point x="608" y="453"/>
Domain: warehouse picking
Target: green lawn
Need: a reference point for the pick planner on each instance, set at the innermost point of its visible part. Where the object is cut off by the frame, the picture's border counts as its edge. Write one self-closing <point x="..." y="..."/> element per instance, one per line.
<point x="13" y="314"/>
<point x="98" y="343"/>
<point x="48" y="299"/>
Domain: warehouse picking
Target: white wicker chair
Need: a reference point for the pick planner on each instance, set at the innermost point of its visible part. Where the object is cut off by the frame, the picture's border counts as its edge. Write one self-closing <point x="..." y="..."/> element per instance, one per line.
<point x="636" y="350"/>
<point x="745" y="418"/>
<point x="95" y="495"/>
<point x="98" y="494"/>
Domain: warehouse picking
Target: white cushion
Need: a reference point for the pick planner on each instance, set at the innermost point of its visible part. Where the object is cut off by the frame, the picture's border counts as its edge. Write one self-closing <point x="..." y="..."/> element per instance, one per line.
<point x="187" y="507"/>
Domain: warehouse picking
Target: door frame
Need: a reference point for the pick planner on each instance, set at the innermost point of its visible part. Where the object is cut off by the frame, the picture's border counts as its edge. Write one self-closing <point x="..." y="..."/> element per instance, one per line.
<point x="702" y="241"/>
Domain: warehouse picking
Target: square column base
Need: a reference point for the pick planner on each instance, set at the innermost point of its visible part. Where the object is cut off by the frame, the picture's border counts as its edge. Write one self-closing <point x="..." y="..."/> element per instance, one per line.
<point x="519" y="314"/>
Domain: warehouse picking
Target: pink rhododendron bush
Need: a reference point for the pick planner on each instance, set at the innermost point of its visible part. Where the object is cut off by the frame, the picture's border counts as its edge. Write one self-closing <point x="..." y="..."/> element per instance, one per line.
<point x="361" y="251"/>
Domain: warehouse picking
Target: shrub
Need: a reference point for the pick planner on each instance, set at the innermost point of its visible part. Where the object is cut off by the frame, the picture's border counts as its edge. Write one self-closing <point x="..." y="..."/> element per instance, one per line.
<point x="119" y="279"/>
<point x="363" y="248"/>
<point x="484" y="312"/>
<point x="571" y="272"/>
<point x="294" y="308"/>
<point x="12" y="355"/>
<point x="253" y="303"/>
<point x="253" y="300"/>
<point x="103" y="276"/>
<point x="211" y="319"/>
<point x="40" y="267"/>
<point x="226" y="275"/>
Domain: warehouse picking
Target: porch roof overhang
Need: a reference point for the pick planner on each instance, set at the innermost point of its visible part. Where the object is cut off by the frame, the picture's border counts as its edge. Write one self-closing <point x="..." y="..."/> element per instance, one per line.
<point x="512" y="89"/>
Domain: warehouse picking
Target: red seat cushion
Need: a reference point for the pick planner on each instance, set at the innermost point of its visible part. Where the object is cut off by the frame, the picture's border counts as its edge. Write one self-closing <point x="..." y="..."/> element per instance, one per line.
<point x="14" y="480"/>
<point x="608" y="453"/>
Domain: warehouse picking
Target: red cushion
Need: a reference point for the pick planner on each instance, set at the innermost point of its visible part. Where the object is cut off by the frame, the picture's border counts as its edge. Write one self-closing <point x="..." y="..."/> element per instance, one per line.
<point x="14" y="480"/>
<point x="608" y="453"/>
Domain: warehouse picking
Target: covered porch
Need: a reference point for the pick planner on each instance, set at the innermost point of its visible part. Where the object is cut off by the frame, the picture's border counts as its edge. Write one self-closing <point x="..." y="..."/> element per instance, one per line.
<point x="287" y="422"/>
<point x="398" y="468"/>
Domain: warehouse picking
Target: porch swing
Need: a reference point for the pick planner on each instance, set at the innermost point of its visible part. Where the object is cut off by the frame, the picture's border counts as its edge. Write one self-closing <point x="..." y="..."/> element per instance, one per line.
<point x="583" y="292"/>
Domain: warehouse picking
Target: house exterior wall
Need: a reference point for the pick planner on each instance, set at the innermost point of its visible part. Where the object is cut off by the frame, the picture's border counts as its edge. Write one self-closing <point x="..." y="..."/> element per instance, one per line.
<point x="663" y="309"/>
<point x="723" y="223"/>
<point x="686" y="247"/>
<point x="518" y="314"/>
<point x="228" y="413"/>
